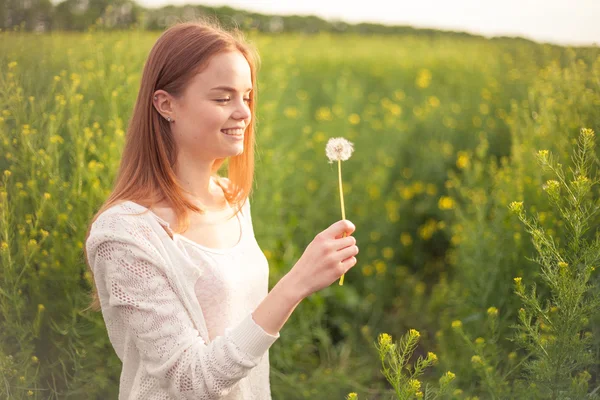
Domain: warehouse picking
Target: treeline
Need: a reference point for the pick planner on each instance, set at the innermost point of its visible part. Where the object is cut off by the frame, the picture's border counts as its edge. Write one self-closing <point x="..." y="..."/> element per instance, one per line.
<point x="81" y="15"/>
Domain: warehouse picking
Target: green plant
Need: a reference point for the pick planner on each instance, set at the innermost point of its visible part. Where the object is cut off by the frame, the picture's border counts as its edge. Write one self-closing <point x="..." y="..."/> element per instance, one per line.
<point x="404" y="377"/>
<point x="557" y="333"/>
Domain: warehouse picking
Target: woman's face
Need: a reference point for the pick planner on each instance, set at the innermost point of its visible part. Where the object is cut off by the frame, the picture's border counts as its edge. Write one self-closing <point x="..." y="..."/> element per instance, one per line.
<point x="215" y="100"/>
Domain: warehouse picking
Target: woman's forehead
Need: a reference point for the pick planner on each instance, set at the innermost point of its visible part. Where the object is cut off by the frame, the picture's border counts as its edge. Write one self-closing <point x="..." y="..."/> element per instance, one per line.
<point x="229" y="69"/>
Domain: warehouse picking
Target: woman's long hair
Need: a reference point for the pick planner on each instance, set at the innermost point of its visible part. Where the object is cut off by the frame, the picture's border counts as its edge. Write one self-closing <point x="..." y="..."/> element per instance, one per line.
<point x="145" y="175"/>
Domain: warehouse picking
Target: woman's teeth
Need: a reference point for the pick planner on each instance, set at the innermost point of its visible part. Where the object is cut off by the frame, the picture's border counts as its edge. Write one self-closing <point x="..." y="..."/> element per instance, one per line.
<point x="233" y="132"/>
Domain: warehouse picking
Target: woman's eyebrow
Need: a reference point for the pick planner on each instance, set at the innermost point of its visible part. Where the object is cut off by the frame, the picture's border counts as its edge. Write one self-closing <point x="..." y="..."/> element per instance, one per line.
<point x="228" y="89"/>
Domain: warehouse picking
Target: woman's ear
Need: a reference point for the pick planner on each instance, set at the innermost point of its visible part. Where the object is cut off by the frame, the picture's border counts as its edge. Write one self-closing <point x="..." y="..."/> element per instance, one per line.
<point x="163" y="103"/>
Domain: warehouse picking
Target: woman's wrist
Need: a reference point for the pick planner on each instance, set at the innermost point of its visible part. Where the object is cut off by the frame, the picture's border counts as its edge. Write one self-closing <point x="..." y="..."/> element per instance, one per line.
<point x="273" y="312"/>
<point x="290" y="289"/>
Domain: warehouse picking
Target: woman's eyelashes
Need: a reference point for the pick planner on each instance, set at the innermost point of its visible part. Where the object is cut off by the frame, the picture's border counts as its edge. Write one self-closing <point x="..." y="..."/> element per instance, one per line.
<point x="225" y="100"/>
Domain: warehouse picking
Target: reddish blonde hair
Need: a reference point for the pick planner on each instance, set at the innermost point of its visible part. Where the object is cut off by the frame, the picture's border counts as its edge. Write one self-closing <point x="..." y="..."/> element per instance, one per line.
<point x="145" y="175"/>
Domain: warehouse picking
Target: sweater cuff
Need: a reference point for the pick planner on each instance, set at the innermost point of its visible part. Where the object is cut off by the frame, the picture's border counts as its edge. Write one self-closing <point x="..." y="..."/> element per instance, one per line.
<point x="251" y="337"/>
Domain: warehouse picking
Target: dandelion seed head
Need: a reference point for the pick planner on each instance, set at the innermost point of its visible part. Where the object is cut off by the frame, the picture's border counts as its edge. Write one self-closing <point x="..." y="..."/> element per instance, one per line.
<point x="338" y="149"/>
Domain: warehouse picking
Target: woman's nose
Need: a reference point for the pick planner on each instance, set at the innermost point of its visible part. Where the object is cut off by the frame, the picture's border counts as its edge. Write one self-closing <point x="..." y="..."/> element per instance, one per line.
<point x="242" y="112"/>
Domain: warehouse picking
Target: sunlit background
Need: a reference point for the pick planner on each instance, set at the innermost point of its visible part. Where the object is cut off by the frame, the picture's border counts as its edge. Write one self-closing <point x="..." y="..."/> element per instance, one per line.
<point x="575" y="22"/>
<point x="473" y="123"/>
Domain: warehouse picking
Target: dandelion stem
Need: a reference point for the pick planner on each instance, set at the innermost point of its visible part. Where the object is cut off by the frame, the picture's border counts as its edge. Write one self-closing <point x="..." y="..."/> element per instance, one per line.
<point x="342" y="204"/>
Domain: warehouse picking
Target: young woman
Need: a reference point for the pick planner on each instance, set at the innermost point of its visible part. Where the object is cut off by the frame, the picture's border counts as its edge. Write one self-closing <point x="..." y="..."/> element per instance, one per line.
<point x="179" y="277"/>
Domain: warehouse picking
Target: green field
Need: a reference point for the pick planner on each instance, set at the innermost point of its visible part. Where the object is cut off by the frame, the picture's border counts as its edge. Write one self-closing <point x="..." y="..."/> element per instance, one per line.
<point x="446" y="135"/>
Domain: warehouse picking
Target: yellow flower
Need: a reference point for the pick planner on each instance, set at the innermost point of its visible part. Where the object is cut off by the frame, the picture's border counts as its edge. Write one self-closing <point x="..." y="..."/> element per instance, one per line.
<point x="380" y="267"/>
<point x="480" y="340"/>
<point x="427" y="230"/>
<point x="414" y="384"/>
<point x="456" y="324"/>
<point x="476" y="360"/>
<point x="414" y="333"/>
<point x="56" y="139"/>
<point x="385" y="340"/>
<point x="323" y="114"/>
<point x="517" y="280"/>
<point x="354" y="119"/>
<point x="291" y="112"/>
<point x="47" y="196"/>
<point x="446" y="203"/>
<point x="516" y="206"/>
<point x="463" y="160"/>
<point x="7" y="173"/>
<point x="388" y="253"/>
<point x="433" y="101"/>
<point x="406" y="239"/>
<point x="423" y="78"/>
<point x="302" y="94"/>
<point x="431" y="356"/>
<point x="35" y="359"/>
<point x="352" y="396"/>
<point x="587" y="132"/>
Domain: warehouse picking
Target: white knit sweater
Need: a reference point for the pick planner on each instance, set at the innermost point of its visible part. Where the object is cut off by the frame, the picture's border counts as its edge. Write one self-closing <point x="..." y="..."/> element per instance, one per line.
<point x="178" y="314"/>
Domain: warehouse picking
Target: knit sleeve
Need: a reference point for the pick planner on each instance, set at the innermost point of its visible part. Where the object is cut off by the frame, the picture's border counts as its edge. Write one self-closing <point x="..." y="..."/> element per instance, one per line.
<point x="139" y="303"/>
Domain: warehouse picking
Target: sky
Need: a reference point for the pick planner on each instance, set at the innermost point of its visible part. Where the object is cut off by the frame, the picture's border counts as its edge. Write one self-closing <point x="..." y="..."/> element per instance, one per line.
<point x="566" y="22"/>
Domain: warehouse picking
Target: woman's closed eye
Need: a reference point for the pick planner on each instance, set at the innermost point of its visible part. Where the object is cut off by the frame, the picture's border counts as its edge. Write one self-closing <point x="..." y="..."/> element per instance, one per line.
<point x="225" y="100"/>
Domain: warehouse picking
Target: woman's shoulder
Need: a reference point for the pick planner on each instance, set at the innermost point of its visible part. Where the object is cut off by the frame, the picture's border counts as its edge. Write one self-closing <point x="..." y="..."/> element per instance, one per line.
<point x="122" y="219"/>
<point x="125" y="222"/>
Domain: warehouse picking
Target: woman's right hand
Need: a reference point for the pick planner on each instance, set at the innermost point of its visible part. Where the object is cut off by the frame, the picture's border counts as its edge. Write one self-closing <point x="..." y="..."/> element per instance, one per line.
<point x="325" y="260"/>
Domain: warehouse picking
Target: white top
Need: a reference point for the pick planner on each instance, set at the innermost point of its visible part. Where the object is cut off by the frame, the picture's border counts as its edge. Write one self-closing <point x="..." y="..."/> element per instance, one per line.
<point x="178" y="314"/>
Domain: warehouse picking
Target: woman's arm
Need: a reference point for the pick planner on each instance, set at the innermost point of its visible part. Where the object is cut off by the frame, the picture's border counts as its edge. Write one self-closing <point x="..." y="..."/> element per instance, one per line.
<point x="275" y="309"/>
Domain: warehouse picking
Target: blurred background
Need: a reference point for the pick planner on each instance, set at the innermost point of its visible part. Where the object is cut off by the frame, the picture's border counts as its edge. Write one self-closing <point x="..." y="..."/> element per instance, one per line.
<point x="558" y="21"/>
<point x="448" y="105"/>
